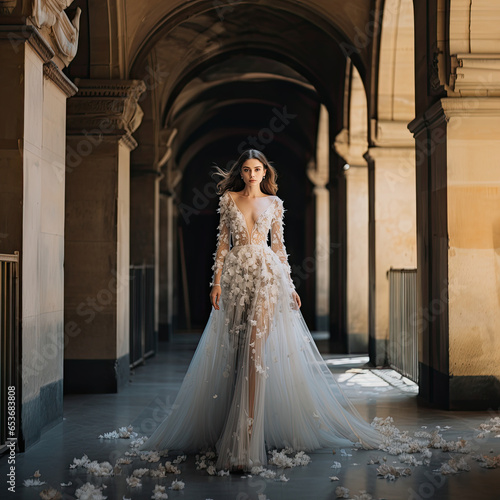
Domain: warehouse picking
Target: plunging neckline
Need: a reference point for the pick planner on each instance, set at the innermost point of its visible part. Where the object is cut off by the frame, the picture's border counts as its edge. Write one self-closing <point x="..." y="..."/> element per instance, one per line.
<point x="244" y="218"/>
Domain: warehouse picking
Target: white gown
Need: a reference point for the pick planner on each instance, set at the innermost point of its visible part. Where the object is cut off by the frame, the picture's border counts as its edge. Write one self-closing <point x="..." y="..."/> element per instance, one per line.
<point x="257" y="379"/>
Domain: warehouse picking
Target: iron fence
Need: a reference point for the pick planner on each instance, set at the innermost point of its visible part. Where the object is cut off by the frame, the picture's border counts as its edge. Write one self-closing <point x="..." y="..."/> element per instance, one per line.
<point x="403" y="339"/>
<point x="9" y="348"/>
<point x="143" y="338"/>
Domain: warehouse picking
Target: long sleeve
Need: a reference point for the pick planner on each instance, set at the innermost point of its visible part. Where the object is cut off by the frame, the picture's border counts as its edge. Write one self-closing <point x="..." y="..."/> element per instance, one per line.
<point x="222" y="240"/>
<point x="278" y="242"/>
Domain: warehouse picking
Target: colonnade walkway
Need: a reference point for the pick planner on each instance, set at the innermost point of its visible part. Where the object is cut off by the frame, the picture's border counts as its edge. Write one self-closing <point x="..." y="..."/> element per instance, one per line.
<point x="152" y="388"/>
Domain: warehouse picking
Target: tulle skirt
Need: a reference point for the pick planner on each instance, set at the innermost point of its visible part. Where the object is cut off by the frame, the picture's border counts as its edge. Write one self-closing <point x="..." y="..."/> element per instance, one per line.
<point x="257" y="380"/>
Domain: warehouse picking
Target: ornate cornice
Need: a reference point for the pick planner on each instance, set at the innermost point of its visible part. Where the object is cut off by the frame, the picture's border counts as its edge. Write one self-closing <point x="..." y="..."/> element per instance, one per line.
<point x="106" y="108"/>
<point x="7" y="7"/>
<point x="476" y="74"/>
<point x="110" y="88"/>
<point x="18" y="34"/>
<point x="52" y="71"/>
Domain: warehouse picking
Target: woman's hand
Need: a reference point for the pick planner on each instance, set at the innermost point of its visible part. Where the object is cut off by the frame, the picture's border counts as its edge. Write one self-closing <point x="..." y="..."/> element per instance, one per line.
<point x="215" y="295"/>
<point x="296" y="298"/>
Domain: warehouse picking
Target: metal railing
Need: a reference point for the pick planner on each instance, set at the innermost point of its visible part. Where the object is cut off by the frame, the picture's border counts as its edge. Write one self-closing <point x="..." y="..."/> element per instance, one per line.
<point x="9" y="347"/>
<point x="143" y="338"/>
<point x="403" y="338"/>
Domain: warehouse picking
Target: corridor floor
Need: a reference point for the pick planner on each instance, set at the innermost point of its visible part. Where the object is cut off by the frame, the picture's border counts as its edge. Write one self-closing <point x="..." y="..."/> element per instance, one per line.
<point x="152" y="388"/>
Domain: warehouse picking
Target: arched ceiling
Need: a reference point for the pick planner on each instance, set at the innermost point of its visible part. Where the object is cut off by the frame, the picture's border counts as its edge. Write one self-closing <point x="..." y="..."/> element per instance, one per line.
<point x="349" y="23"/>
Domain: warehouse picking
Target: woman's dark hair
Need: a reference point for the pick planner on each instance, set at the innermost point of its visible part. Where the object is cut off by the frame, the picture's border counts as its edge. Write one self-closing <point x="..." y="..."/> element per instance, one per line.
<point x="232" y="181"/>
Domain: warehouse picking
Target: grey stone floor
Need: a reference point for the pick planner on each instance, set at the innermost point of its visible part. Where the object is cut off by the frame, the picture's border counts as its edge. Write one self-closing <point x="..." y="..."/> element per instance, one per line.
<point x="152" y="388"/>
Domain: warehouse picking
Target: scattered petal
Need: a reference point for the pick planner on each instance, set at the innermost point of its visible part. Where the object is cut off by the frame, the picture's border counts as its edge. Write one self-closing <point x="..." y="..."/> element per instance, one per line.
<point x="342" y="492"/>
<point x="33" y="482"/>
<point x="89" y="492"/>
<point x="177" y="485"/>
<point x="50" y="494"/>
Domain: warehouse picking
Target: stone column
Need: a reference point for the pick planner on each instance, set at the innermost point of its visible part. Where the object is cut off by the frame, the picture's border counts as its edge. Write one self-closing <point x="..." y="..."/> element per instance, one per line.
<point x="101" y="119"/>
<point x="33" y="93"/>
<point x="392" y="218"/>
<point x="458" y="203"/>
<point x="352" y="149"/>
<point x="318" y="174"/>
<point x="168" y="238"/>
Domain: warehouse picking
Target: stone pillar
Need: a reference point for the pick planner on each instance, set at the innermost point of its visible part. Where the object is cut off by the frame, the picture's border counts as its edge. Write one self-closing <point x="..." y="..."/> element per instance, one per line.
<point x="33" y="93"/>
<point x="101" y="119"/>
<point x="392" y="217"/>
<point x="352" y="149"/>
<point x="458" y="203"/>
<point x="168" y="238"/>
<point x="318" y="174"/>
<point x="357" y="257"/>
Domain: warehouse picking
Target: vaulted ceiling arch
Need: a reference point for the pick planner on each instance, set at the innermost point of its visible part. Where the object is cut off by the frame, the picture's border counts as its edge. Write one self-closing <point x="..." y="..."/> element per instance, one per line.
<point x="349" y="24"/>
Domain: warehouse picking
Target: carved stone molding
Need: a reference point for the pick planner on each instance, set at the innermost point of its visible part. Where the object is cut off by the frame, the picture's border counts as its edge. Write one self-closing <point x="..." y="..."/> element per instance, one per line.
<point x="19" y="34"/>
<point x="351" y="151"/>
<point x="106" y="108"/>
<point x="59" y="31"/>
<point x="432" y="117"/>
<point x="7" y="6"/>
<point x="452" y="107"/>
<point x="52" y="71"/>
<point x="391" y="133"/>
<point x="476" y="74"/>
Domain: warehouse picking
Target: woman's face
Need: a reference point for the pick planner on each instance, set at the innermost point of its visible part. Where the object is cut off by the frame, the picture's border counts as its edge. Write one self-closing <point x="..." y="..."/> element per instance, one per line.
<point x="252" y="172"/>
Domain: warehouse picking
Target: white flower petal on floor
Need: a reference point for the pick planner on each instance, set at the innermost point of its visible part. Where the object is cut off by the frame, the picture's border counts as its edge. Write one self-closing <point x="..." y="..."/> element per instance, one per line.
<point x="151" y="457"/>
<point x="341" y="492"/>
<point x="33" y="482"/>
<point x="177" y="485"/>
<point x="136" y="443"/>
<point x="89" y="492"/>
<point x="50" y="494"/>
<point x="123" y="461"/>
<point x="280" y="458"/>
<point x="268" y="474"/>
<point x="336" y="465"/>
<point x="362" y="496"/>
<point x="453" y="466"/>
<point x="121" y="433"/>
<point x="487" y="462"/>
<point x="159" y="493"/>
<point x="134" y="481"/>
<point x="180" y="459"/>
<point x="490" y="426"/>
<point x="140" y="472"/>
<point x="79" y="462"/>
<point x="69" y="483"/>
<point x="100" y="468"/>
<point x="392" y="473"/>
<point x="334" y="478"/>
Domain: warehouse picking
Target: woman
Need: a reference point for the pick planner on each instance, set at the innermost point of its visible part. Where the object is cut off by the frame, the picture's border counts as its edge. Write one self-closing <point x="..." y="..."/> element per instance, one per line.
<point x="256" y="378"/>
